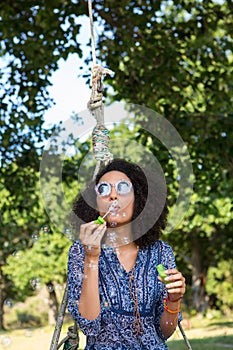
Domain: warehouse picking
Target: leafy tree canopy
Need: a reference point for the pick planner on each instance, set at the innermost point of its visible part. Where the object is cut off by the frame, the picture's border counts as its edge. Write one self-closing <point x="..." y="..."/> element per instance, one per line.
<point x="33" y="39"/>
<point x="172" y="56"/>
<point x="44" y="262"/>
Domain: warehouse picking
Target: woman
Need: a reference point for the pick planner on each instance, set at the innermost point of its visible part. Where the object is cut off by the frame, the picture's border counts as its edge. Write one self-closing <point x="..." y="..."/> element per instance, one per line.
<point x="115" y="293"/>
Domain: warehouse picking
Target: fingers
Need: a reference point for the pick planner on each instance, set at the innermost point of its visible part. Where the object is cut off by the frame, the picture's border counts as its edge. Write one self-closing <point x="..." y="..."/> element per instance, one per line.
<point x="175" y="282"/>
<point x="98" y="233"/>
<point x="91" y="234"/>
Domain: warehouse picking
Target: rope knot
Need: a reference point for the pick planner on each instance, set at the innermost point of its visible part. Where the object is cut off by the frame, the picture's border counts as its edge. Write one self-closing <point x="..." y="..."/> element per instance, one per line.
<point x="97" y="87"/>
<point x="100" y="141"/>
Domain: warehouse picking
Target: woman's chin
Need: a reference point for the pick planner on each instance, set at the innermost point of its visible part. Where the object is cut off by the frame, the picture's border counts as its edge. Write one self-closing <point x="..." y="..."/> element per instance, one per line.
<point x="114" y="223"/>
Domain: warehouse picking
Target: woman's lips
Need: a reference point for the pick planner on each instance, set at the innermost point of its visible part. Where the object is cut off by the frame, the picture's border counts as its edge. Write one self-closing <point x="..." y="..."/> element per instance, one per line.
<point x="114" y="210"/>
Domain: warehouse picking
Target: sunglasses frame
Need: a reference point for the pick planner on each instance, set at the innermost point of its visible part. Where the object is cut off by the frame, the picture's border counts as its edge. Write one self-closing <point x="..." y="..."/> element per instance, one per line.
<point x="110" y="187"/>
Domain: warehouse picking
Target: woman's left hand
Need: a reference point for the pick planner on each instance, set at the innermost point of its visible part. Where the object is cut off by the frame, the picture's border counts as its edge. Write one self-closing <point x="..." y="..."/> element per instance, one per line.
<point x="175" y="284"/>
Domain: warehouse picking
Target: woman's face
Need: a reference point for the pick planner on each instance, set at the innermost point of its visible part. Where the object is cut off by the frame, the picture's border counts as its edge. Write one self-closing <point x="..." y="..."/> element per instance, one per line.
<point x="122" y="212"/>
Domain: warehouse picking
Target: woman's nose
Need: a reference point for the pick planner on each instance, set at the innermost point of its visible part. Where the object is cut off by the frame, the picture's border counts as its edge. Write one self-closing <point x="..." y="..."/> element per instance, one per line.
<point x="113" y="194"/>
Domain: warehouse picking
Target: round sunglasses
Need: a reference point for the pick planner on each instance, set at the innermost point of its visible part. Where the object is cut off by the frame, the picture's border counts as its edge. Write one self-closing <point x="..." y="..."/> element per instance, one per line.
<point x="104" y="188"/>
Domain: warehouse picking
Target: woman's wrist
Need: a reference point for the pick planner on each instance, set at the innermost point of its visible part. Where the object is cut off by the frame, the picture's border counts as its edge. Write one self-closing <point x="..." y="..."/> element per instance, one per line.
<point x="92" y="253"/>
<point x="91" y="260"/>
<point x="172" y="306"/>
<point x="174" y="300"/>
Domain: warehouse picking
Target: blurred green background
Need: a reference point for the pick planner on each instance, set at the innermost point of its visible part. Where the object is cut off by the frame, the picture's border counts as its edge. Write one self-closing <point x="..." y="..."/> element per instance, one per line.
<point x="174" y="57"/>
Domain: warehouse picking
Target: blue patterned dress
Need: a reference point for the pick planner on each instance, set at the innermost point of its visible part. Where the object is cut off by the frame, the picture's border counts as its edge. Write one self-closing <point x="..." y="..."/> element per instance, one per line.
<point x="114" y="328"/>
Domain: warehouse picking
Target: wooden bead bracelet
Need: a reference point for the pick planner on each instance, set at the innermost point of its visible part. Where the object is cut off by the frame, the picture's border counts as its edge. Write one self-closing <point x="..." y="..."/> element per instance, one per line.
<point x="168" y="309"/>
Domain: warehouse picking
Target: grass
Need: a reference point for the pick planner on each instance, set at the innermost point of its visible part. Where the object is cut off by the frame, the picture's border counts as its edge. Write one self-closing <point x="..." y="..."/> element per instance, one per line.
<point x="36" y="338"/>
<point x="212" y="343"/>
<point x="204" y="334"/>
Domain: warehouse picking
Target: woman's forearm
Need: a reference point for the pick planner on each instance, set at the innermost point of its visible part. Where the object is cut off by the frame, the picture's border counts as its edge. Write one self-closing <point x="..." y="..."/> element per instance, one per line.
<point x="89" y="303"/>
<point x="169" y="319"/>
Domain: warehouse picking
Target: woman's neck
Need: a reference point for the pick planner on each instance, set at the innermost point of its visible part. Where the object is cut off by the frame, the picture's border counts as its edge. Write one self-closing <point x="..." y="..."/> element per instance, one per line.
<point x="119" y="236"/>
<point x="127" y="255"/>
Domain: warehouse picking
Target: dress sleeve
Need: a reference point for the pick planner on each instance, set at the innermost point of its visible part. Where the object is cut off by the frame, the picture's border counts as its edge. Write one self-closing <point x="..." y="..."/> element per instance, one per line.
<point x="167" y="258"/>
<point x="75" y="279"/>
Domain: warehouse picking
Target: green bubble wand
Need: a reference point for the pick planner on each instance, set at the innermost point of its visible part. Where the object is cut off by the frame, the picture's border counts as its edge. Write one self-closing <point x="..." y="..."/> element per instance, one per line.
<point x="100" y="219"/>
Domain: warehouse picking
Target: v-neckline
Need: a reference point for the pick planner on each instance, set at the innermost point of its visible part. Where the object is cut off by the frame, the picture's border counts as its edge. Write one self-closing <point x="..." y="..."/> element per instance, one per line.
<point x="123" y="267"/>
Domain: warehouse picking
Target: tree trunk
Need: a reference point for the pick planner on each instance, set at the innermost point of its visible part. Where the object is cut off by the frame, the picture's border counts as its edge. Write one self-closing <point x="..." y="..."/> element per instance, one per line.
<point x="198" y="278"/>
<point x="53" y="304"/>
<point x="2" y="299"/>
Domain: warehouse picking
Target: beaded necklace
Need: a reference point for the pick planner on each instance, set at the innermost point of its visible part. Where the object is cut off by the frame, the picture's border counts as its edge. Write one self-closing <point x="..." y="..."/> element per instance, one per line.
<point x="133" y="293"/>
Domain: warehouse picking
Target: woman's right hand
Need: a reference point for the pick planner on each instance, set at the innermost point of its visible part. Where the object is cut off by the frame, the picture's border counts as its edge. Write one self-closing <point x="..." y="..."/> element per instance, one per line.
<point x="91" y="235"/>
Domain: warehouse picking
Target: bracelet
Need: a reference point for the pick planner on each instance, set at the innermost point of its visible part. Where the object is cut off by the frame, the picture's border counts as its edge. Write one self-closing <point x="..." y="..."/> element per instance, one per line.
<point x="88" y="248"/>
<point x="175" y="300"/>
<point x="168" y="309"/>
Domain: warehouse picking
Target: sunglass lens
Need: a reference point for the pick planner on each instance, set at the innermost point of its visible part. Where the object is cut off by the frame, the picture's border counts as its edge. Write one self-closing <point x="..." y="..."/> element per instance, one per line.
<point x="103" y="189"/>
<point x="123" y="187"/>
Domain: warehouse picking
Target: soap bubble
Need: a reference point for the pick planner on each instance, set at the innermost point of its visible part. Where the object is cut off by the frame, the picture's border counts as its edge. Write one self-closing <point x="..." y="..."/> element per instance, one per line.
<point x="107" y="248"/>
<point x="112" y="237"/>
<point x="35" y="236"/>
<point x="68" y="233"/>
<point x="48" y="196"/>
<point x="28" y="333"/>
<point x="75" y="302"/>
<point x="59" y="287"/>
<point x="105" y="304"/>
<point x="92" y="266"/>
<point x="16" y="254"/>
<point x="35" y="283"/>
<point x="6" y="244"/>
<point x="45" y="229"/>
<point x="117" y="251"/>
<point x="121" y="274"/>
<point x="121" y="271"/>
<point x="6" y="341"/>
<point x="8" y="302"/>
<point x="50" y="288"/>
<point x="125" y="240"/>
<point x="79" y="276"/>
<point x="112" y="293"/>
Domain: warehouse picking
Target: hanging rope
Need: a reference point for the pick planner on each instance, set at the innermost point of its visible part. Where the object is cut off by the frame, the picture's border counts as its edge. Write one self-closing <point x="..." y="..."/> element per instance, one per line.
<point x="100" y="134"/>
<point x="92" y="32"/>
<point x="100" y="142"/>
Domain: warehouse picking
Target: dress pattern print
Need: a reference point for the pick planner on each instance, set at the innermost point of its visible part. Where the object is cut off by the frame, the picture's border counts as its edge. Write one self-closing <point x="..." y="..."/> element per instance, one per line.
<point x="114" y="328"/>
